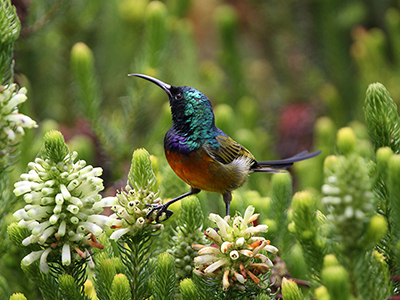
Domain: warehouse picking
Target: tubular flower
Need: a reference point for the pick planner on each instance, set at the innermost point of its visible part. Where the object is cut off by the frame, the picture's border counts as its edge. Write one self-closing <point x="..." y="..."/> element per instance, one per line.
<point x="235" y="254"/>
<point x="62" y="209"/>
<point x="130" y="212"/>
<point x="13" y="123"/>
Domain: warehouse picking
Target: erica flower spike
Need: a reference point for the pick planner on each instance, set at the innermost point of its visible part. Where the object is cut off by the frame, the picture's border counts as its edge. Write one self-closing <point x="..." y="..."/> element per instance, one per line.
<point x="62" y="204"/>
<point x="235" y="252"/>
<point x="13" y="123"/>
<point x="131" y="206"/>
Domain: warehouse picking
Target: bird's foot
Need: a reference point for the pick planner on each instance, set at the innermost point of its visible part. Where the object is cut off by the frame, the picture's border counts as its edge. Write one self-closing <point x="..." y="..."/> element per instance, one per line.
<point x="162" y="212"/>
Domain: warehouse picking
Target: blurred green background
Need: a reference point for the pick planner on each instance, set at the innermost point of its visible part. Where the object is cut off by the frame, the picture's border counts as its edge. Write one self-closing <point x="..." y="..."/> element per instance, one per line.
<point x="271" y="69"/>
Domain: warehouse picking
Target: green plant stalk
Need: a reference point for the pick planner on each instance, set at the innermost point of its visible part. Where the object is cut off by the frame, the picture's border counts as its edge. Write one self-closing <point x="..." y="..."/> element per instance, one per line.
<point x="305" y="227"/>
<point x="10" y="27"/>
<point x="281" y="196"/>
<point x="120" y="288"/>
<point x="89" y="96"/>
<point x="382" y="118"/>
<point x="164" y="278"/>
<point x="104" y="276"/>
<point x="135" y="256"/>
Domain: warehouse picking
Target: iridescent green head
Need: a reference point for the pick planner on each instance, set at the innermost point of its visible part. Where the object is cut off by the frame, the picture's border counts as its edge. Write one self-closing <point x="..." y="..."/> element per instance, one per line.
<point x="191" y="110"/>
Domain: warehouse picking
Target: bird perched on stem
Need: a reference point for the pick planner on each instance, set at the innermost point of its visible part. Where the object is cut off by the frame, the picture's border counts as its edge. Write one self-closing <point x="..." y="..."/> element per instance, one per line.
<point x="203" y="155"/>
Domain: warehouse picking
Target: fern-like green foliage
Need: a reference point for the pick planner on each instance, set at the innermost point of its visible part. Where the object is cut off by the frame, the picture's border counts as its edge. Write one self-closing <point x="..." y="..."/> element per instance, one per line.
<point x="121" y="288"/>
<point x="134" y="253"/>
<point x="10" y="27"/>
<point x="164" y="280"/>
<point x="71" y="279"/>
<point x="205" y="288"/>
<point x="383" y="126"/>
<point x="55" y="147"/>
<point x="9" y="31"/>
<point x="104" y="275"/>
<point x="393" y="189"/>
<point x="281" y="196"/>
<point x="156" y="34"/>
<point x="290" y="290"/>
<point x="191" y="216"/>
<point x="82" y="66"/>
<point x="372" y="268"/>
<point x="307" y="228"/>
<point x="141" y="175"/>
<point x="68" y="289"/>
<point x="188" y="290"/>
<point x="382" y="118"/>
<point x="46" y="283"/>
<point x="89" y="96"/>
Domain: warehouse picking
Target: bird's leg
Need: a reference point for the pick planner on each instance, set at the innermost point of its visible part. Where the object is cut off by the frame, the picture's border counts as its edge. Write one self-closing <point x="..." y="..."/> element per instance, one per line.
<point x="163" y="207"/>
<point x="227" y="196"/>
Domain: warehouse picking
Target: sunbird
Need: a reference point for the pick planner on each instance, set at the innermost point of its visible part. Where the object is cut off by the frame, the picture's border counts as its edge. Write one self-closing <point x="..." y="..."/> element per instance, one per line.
<point x="204" y="156"/>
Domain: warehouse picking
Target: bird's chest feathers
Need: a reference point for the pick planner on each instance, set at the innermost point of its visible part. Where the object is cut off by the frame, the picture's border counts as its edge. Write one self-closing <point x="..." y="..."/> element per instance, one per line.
<point x="201" y="171"/>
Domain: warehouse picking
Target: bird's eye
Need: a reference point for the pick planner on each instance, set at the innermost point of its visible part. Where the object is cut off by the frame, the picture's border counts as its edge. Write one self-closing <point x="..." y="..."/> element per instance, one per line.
<point x="178" y="96"/>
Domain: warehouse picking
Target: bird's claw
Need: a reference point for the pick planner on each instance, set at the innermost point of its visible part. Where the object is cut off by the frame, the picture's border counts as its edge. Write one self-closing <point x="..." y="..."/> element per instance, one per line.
<point x="162" y="208"/>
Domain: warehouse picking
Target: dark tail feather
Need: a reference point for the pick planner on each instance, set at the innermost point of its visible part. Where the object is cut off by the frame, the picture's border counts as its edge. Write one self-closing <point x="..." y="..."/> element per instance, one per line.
<point x="274" y="166"/>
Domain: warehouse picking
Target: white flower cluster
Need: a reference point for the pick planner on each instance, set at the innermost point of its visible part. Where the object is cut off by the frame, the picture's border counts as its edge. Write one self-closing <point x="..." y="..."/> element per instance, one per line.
<point x="130" y="211"/>
<point x="13" y="123"/>
<point x="62" y="209"/>
<point x="354" y="204"/>
<point x="235" y="249"/>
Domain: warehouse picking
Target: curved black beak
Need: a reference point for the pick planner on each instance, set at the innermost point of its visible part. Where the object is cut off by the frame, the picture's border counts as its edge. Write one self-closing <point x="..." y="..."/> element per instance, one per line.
<point x="163" y="85"/>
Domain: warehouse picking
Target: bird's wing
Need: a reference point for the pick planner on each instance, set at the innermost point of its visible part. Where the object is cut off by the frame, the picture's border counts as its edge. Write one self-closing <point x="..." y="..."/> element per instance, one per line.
<point x="228" y="150"/>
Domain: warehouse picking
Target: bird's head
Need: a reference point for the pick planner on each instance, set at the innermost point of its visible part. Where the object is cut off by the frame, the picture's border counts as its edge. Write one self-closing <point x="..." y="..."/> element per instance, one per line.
<point x="189" y="106"/>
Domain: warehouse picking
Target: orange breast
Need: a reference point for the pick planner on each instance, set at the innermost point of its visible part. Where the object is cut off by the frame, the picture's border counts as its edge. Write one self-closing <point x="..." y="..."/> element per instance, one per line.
<point x="200" y="171"/>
